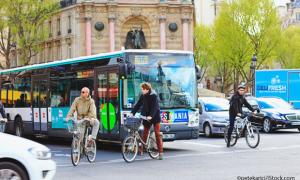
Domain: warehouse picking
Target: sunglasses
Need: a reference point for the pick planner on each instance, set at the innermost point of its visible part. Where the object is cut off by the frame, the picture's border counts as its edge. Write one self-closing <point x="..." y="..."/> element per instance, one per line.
<point x="82" y="92"/>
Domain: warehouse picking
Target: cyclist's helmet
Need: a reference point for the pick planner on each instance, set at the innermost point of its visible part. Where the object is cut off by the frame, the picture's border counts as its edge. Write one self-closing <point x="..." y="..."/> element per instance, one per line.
<point x="242" y="86"/>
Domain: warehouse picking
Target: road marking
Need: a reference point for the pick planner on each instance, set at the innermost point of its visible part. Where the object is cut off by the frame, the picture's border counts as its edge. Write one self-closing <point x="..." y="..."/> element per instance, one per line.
<point x="62" y="155"/>
<point x="228" y="151"/>
<point x="203" y="144"/>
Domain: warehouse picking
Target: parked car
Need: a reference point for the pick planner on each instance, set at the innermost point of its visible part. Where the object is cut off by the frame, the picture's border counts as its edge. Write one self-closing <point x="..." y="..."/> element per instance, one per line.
<point x="24" y="159"/>
<point x="214" y="115"/>
<point x="279" y="114"/>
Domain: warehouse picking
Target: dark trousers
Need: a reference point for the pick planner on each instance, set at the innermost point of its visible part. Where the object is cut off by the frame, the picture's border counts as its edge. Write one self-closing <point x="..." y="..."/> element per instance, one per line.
<point x="231" y="126"/>
<point x="157" y="136"/>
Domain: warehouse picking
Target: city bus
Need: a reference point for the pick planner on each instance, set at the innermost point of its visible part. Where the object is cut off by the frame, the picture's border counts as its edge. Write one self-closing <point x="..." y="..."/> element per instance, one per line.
<point x="38" y="97"/>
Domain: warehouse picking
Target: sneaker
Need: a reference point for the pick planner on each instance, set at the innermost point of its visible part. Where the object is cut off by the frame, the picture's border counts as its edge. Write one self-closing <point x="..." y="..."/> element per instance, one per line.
<point x="160" y="157"/>
<point x="90" y="141"/>
<point x="228" y="144"/>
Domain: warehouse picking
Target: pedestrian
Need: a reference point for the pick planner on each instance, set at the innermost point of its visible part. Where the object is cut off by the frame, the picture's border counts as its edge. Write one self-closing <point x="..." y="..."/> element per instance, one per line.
<point x="148" y="101"/>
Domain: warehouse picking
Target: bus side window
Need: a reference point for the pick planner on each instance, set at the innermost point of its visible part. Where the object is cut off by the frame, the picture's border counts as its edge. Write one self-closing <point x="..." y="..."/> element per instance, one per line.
<point x="22" y="89"/>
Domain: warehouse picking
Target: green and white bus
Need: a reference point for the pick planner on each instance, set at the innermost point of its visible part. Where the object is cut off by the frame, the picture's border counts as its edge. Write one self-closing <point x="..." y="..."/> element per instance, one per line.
<point x="37" y="97"/>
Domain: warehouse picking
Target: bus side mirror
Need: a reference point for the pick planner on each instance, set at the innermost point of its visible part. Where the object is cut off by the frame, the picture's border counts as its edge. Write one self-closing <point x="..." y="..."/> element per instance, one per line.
<point x="200" y="109"/>
<point x="126" y="69"/>
<point x="198" y="72"/>
<point x="123" y="71"/>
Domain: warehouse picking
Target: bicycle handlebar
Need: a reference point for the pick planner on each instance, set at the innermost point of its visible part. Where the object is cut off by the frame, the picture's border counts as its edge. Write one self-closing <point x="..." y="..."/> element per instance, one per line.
<point x="141" y="117"/>
<point x="3" y="120"/>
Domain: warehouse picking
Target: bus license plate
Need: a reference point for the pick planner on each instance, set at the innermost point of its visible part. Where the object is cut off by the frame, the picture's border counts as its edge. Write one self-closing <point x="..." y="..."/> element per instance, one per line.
<point x="168" y="136"/>
<point x="295" y="123"/>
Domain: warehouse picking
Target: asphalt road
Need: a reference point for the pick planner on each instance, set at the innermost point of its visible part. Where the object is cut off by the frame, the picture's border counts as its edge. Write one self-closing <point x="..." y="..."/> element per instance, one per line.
<point x="278" y="155"/>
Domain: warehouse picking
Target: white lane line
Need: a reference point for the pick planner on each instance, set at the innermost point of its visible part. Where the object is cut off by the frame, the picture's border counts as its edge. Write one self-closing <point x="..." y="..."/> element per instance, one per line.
<point x="62" y="155"/>
<point x="203" y="144"/>
<point x="229" y="151"/>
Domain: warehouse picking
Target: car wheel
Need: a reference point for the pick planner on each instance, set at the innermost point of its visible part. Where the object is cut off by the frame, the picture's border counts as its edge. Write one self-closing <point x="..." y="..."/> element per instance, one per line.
<point x="267" y="125"/>
<point x="18" y="127"/>
<point x="9" y="170"/>
<point x="207" y="130"/>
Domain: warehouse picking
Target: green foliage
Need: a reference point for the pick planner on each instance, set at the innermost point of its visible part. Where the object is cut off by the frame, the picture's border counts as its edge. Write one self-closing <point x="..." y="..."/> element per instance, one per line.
<point x="26" y="19"/>
<point x="203" y="47"/>
<point x="288" y="52"/>
<point x="243" y="28"/>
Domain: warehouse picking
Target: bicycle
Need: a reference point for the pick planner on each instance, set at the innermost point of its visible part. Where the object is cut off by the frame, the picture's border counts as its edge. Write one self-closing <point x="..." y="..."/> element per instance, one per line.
<point x="241" y="126"/>
<point x="2" y="124"/>
<point x="130" y="145"/>
<point x="81" y="130"/>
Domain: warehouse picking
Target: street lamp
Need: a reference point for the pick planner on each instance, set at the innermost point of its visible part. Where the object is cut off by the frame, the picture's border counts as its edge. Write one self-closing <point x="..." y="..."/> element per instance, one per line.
<point x="253" y="67"/>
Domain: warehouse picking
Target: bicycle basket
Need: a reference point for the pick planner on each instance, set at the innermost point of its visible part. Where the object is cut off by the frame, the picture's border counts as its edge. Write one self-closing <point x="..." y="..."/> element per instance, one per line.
<point x="133" y="123"/>
<point x="2" y="126"/>
<point x="72" y="127"/>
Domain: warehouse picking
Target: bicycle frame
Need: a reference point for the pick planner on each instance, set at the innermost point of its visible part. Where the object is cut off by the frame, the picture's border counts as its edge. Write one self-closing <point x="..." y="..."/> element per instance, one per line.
<point x="244" y="123"/>
<point x="137" y="136"/>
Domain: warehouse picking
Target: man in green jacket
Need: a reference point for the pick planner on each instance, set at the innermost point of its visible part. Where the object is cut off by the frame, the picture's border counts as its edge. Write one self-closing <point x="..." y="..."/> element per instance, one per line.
<point x="85" y="108"/>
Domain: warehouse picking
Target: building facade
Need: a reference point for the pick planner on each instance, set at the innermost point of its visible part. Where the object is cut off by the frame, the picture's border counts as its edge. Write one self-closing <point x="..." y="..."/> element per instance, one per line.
<point x="86" y="27"/>
<point x="293" y="14"/>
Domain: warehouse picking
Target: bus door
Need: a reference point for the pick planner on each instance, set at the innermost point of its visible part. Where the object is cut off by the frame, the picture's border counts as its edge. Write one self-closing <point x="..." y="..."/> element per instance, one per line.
<point x="107" y="101"/>
<point x="40" y="102"/>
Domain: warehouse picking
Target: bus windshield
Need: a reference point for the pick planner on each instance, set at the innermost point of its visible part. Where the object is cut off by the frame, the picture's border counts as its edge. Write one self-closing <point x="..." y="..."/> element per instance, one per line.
<point x="172" y="76"/>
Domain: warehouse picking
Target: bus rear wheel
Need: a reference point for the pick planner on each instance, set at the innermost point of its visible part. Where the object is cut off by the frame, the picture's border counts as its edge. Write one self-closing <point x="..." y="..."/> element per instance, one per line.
<point x="18" y="127"/>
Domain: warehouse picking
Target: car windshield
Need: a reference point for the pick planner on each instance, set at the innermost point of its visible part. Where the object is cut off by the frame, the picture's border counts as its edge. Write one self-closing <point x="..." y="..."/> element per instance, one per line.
<point x="215" y="105"/>
<point x="268" y="103"/>
<point x="172" y="76"/>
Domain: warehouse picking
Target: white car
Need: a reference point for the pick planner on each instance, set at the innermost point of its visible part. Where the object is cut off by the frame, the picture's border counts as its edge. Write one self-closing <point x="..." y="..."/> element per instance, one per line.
<point x="214" y="115"/>
<point x="22" y="159"/>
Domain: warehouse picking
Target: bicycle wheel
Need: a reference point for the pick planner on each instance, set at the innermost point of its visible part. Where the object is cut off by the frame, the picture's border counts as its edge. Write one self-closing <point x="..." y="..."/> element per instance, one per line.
<point x="91" y="152"/>
<point x="252" y="136"/>
<point x="129" y="149"/>
<point x="234" y="136"/>
<point x="75" y="151"/>
<point x="152" y="149"/>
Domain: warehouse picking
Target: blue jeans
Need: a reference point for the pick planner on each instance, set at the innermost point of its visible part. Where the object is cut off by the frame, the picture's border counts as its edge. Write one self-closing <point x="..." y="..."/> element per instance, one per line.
<point x="231" y="126"/>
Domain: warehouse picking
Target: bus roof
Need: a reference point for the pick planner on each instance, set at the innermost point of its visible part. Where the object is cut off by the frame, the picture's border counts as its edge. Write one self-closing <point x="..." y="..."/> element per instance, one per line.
<point x="157" y="51"/>
<point x="63" y="62"/>
<point x="89" y="58"/>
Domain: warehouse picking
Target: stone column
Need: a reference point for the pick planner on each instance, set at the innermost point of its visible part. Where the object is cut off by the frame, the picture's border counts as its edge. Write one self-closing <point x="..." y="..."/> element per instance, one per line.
<point x="162" y="23"/>
<point x="185" y="34"/>
<point x="88" y="36"/>
<point x="111" y="34"/>
<point x="112" y="8"/>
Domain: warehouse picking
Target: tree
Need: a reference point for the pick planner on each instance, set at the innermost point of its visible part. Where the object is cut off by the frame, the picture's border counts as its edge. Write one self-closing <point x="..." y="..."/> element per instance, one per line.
<point x="5" y="37"/>
<point x="259" y="21"/>
<point x="288" y="51"/>
<point x="26" y="19"/>
<point x="244" y="28"/>
<point x="203" y="47"/>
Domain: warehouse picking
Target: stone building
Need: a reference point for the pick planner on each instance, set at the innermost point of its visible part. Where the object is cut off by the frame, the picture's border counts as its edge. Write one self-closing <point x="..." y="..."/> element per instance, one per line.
<point x="293" y="14"/>
<point x="86" y="27"/>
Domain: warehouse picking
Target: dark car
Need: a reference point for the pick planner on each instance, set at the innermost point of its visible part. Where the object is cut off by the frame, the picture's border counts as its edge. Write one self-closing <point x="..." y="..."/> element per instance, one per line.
<point x="258" y="118"/>
<point x="278" y="114"/>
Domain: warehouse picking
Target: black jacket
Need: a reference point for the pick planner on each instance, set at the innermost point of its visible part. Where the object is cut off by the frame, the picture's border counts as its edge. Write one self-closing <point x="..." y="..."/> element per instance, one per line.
<point x="150" y="107"/>
<point x="236" y="104"/>
<point x="2" y="111"/>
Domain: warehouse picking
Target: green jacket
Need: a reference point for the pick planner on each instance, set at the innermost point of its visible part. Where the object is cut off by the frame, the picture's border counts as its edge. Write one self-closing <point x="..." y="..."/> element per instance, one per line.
<point x="85" y="108"/>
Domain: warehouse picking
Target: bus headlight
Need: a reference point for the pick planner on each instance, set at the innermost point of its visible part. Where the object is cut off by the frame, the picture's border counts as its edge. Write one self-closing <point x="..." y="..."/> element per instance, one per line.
<point x="193" y="119"/>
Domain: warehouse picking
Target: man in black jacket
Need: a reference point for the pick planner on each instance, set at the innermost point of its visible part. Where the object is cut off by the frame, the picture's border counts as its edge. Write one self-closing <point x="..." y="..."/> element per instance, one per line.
<point x="148" y="101"/>
<point x="236" y="104"/>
